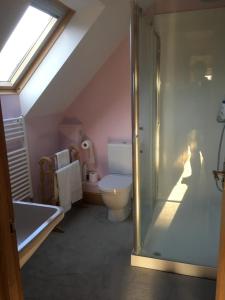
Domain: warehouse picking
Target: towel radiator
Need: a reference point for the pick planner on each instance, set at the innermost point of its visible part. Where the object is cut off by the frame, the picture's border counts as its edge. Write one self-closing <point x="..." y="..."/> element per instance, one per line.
<point x="18" y="159"/>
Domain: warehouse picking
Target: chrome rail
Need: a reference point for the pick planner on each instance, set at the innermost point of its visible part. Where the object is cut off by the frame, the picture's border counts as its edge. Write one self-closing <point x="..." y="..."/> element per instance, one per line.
<point x="134" y="56"/>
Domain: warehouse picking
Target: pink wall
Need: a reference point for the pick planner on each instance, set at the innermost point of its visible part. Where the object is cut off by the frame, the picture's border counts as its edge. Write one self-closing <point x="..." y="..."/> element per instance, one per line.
<point x="42" y="136"/>
<point x="104" y="106"/>
<point x="43" y="139"/>
<point x="10" y="106"/>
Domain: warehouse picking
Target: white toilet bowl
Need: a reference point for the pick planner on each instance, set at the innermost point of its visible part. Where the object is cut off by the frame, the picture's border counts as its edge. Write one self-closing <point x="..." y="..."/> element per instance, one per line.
<point x="116" y="194"/>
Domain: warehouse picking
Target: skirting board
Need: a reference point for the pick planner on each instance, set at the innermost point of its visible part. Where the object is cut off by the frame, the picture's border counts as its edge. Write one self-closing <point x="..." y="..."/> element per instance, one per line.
<point x="93" y="198"/>
<point x="173" y="267"/>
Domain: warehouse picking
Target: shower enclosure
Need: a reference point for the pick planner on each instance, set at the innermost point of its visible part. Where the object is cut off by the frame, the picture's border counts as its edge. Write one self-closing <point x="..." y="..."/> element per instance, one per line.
<point x="178" y="81"/>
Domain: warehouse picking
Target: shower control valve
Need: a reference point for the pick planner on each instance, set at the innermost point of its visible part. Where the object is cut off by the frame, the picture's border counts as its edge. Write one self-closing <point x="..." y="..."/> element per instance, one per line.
<point x="219" y="175"/>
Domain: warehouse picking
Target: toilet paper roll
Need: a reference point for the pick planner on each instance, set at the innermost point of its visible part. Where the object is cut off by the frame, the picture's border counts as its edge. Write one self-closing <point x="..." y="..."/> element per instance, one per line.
<point x="93" y="177"/>
<point x="86" y="144"/>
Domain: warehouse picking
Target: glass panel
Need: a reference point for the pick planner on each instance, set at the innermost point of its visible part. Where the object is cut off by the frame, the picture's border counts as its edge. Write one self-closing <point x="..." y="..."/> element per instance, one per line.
<point x="180" y="204"/>
<point x="147" y="115"/>
<point x="29" y="30"/>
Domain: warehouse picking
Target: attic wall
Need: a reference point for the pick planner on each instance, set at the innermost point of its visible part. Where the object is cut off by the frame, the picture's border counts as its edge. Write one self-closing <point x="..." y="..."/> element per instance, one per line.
<point x="42" y="95"/>
<point x="104" y="106"/>
<point x="42" y="136"/>
<point x="92" y="35"/>
<point x="110" y="83"/>
<point x="43" y="140"/>
<point x="10" y="106"/>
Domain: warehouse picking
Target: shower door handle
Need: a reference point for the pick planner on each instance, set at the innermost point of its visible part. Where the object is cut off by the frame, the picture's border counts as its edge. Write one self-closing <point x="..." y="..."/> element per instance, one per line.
<point x="217" y="174"/>
<point x="141" y="128"/>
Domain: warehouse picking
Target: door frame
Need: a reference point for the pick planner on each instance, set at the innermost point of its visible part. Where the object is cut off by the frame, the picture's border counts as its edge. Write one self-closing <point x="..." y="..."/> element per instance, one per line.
<point x="134" y="61"/>
<point x="220" y="284"/>
<point x="10" y="277"/>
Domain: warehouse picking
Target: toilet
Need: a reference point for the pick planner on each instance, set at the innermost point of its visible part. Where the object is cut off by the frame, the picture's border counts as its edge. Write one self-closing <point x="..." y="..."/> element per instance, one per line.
<point x="116" y="187"/>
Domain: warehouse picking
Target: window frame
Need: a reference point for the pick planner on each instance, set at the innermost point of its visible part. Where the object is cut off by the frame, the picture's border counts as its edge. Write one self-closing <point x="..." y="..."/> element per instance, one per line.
<point x="42" y="50"/>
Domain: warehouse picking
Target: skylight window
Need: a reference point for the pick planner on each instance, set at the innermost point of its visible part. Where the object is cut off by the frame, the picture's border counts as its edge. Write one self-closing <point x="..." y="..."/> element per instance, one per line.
<point x="31" y="29"/>
<point x="26" y="42"/>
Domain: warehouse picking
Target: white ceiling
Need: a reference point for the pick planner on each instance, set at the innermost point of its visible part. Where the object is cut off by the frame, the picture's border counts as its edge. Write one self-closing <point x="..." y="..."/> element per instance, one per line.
<point x="77" y="4"/>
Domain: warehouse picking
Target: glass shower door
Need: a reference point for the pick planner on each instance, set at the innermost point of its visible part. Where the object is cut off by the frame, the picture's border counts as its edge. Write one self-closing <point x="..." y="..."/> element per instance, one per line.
<point x="145" y="62"/>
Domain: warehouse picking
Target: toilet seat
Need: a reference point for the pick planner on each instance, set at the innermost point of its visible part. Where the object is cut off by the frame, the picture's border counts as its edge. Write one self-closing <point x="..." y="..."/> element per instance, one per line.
<point x="113" y="182"/>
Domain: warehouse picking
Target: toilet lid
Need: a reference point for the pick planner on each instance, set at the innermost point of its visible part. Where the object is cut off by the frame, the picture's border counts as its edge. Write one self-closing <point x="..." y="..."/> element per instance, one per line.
<point x="114" y="181"/>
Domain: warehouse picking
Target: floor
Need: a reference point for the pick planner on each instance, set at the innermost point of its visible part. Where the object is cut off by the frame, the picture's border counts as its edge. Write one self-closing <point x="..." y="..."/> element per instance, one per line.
<point x="91" y="261"/>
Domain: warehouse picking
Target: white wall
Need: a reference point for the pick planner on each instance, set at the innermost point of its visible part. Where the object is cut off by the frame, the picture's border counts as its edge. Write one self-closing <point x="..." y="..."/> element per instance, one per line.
<point x="192" y="44"/>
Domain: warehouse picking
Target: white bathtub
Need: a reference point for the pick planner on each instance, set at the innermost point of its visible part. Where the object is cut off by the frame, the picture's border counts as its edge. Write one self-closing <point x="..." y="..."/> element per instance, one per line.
<point x="33" y="224"/>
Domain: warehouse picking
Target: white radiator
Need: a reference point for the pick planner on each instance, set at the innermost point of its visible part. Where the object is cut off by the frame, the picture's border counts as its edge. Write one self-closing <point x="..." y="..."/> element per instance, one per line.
<point x="18" y="159"/>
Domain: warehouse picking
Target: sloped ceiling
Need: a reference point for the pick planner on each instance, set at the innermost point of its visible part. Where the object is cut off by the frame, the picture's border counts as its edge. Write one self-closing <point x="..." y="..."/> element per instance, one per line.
<point x="77" y="4"/>
<point x="63" y="48"/>
<point x="97" y="45"/>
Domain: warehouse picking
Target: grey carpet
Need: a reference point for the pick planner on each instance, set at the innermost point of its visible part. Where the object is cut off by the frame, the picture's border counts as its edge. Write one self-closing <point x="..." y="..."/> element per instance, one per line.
<point x="91" y="260"/>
